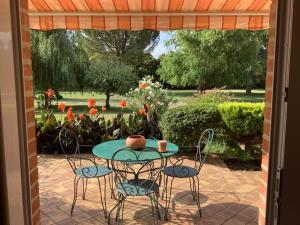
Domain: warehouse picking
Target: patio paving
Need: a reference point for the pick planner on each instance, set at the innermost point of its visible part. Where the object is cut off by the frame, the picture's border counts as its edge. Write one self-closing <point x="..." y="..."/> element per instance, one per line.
<point x="227" y="197"/>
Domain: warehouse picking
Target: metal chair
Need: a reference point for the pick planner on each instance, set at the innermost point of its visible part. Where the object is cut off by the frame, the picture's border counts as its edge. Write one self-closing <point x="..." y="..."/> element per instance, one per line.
<point x="84" y="168"/>
<point x="135" y="176"/>
<point x="178" y="170"/>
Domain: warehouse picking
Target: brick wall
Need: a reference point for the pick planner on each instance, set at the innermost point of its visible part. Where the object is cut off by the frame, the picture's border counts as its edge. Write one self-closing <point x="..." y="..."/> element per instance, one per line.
<point x="268" y="113"/>
<point x="29" y="103"/>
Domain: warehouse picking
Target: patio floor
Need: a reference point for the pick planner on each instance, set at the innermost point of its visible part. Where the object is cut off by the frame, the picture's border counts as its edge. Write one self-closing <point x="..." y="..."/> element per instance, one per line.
<point x="227" y="197"/>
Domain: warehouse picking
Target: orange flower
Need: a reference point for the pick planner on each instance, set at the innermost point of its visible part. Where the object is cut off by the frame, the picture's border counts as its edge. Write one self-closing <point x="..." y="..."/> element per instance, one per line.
<point x="93" y="111"/>
<point x="50" y="93"/>
<point x="123" y="104"/>
<point x="143" y="85"/>
<point x="103" y="108"/>
<point x="142" y="112"/>
<point x="91" y="102"/>
<point x="81" y="116"/>
<point x="70" y="115"/>
<point x="62" y="106"/>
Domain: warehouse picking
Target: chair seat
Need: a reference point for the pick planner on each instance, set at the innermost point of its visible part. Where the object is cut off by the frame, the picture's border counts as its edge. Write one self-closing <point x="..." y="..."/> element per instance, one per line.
<point x="91" y="171"/>
<point x="180" y="171"/>
<point x="138" y="187"/>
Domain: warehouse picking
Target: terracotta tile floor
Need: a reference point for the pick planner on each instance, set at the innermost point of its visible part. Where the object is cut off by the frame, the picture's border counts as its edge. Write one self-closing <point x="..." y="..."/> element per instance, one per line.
<point x="227" y="197"/>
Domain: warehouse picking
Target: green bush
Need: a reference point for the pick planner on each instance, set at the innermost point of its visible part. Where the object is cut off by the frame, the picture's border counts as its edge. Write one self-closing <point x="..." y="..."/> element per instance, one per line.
<point x="213" y="96"/>
<point x="183" y="125"/>
<point x="243" y="119"/>
<point x="243" y="124"/>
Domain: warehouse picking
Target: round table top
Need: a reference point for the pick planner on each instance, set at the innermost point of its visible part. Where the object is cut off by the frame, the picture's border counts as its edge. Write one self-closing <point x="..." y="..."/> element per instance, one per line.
<point x="107" y="149"/>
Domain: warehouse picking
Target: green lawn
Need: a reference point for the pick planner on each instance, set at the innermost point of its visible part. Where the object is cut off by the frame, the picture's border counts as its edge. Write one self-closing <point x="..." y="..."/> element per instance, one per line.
<point x="257" y="95"/>
<point x="78" y="100"/>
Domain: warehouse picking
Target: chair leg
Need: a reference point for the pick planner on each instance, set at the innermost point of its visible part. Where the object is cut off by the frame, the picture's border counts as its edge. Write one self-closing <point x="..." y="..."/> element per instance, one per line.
<point x="84" y="187"/>
<point x="122" y="210"/>
<point x="168" y="198"/>
<point x="111" y="185"/>
<point x="192" y="187"/>
<point x="197" y="190"/>
<point x="165" y="186"/>
<point x="153" y="208"/>
<point x="157" y="205"/>
<point x="76" y="180"/>
<point x="115" y="207"/>
<point x="103" y="201"/>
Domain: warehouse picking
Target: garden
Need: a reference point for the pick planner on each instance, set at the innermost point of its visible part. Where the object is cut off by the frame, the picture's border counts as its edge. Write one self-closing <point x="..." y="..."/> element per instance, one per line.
<point x="152" y="111"/>
<point x="104" y="89"/>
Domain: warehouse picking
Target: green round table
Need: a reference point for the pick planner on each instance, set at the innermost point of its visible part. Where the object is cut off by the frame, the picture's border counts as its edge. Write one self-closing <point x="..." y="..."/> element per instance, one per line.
<point x="107" y="149"/>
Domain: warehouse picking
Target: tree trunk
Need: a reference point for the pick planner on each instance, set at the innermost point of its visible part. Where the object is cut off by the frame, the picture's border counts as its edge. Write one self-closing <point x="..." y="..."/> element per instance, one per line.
<point x="201" y="88"/>
<point x="248" y="90"/>
<point x="107" y="105"/>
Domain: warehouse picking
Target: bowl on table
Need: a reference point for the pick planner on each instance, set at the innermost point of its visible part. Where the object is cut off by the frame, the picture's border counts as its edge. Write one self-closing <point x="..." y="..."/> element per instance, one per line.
<point x="136" y="142"/>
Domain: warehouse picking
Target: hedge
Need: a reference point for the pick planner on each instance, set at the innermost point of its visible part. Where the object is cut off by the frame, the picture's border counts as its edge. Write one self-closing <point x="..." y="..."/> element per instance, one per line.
<point x="236" y="124"/>
<point x="184" y="125"/>
<point x="243" y="119"/>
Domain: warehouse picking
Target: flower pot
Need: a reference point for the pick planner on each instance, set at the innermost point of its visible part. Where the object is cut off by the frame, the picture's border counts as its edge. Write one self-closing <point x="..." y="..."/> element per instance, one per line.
<point x="136" y="142"/>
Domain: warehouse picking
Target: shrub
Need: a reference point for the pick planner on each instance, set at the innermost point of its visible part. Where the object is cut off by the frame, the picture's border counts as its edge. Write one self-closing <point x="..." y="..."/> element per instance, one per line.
<point x="243" y="119"/>
<point x="244" y="122"/>
<point x="184" y="125"/>
<point x="213" y="96"/>
<point x="150" y="97"/>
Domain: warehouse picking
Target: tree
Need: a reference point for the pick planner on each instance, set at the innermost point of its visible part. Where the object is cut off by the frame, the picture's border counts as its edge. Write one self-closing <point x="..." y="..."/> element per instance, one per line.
<point x="148" y="66"/>
<point x="110" y="78"/>
<point x="215" y="58"/>
<point x="57" y="61"/>
<point x="127" y="46"/>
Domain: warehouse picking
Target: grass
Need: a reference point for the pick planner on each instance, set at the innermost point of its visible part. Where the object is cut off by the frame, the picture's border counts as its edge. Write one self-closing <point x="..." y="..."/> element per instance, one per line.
<point x="78" y="100"/>
<point x="257" y="95"/>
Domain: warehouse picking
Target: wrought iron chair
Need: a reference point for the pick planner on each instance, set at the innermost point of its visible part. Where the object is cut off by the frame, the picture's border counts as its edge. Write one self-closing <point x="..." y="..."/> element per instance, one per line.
<point x="178" y="170"/>
<point x="134" y="179"/>
<point x="84" y="168"/>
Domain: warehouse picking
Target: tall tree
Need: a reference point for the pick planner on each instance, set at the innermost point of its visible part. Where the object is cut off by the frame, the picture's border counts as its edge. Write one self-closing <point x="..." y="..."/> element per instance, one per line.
<point x="127" y="46"/>
<point x="215" y="58"/>
<point x="110" y="78"/>
<point x="148" y="66"/>
<point x="57" y="60"/>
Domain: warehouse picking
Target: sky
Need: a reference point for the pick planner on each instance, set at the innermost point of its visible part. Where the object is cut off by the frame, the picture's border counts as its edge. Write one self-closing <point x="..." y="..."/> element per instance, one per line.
<point x="161" y="48"/>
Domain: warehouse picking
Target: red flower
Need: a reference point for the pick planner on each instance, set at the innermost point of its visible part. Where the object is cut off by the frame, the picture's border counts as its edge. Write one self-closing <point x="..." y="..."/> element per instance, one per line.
<point x="142" y="112"/>
<point x="91" y="102"/>
<point x="62" y="106"/>
<point x="70" y="115"/>
<point x="81" y="116"/>
<point x="143" y="85"/>
<point x="103" y="108"/>
<point x="123" y="104"/>
<point x="50" y="93"/>
<point x="93" y="111"/>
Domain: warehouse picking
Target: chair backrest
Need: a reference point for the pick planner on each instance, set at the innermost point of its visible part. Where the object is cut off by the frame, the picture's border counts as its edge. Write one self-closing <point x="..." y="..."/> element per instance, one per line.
<point x="203" y="148"/>
<point x="70" y="146"/>
<point x="130" y="166"/>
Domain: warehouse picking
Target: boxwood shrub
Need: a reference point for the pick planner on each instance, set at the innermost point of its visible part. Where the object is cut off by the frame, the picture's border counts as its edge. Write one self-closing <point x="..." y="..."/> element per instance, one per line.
<point x="244" y="123"/>
<point x="183" y="125"/>
<point x="241" y="118"/>
<point x="237" y="125"/>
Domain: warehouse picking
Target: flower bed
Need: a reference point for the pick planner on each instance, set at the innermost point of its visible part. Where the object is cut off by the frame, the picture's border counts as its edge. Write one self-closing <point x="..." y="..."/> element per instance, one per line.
<point x="93" y="128"/>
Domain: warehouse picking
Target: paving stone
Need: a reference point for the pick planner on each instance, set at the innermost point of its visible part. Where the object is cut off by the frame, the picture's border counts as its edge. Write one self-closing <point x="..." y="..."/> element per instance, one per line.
<point x="227" y="197"/>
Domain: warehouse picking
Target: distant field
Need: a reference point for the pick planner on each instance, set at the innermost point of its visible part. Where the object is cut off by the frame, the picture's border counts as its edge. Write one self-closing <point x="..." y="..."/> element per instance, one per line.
<point x="78" y="100"/>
